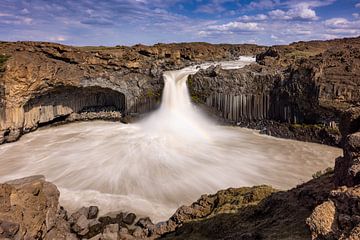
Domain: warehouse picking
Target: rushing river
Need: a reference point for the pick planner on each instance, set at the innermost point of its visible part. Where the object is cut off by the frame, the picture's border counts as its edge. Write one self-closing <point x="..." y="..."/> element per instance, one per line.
<point x="162" y="162"/>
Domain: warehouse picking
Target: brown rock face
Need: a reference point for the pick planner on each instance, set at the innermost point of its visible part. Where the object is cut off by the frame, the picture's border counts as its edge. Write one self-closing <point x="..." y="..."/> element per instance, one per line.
<point x="339" y="217"/>
<point x="347" y="168"/>
<point x="310" y="83"/>
<point x="29" y="209"/>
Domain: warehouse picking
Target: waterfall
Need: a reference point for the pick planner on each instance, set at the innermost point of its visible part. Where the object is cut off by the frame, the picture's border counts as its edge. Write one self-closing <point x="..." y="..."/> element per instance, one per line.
<point x="164" y="161"/>
<point x="177" y="116"/>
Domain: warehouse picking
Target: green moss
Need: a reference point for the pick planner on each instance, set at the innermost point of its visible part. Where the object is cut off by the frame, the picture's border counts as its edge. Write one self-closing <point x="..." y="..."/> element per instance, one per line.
<point x="297" y="54"/>
<point x="306" y="126"/>
<point x="315" y="127"/>
<point x="151" y="94"/>
<point x="195" y="99"/>
<point x="321" y="173"/>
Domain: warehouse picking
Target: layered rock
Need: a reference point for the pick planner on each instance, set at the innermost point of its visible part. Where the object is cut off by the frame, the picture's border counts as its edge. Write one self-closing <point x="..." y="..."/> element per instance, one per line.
<point x="311" y="84"/>
<point x="347" y="168"/>
<point x="43" y="83"/>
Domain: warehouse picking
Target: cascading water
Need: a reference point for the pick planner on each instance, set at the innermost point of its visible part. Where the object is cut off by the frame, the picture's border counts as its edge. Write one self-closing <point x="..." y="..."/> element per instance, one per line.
<point x="164" y="161"/>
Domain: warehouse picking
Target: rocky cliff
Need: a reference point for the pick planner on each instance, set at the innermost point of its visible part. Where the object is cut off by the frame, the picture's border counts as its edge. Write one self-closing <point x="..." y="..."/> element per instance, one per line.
<point x="308" y="85"/>
<point x="41" y="83"/>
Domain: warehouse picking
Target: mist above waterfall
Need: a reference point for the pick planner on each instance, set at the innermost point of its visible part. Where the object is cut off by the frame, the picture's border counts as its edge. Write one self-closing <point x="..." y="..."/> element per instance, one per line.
<point x="164" y="161"/>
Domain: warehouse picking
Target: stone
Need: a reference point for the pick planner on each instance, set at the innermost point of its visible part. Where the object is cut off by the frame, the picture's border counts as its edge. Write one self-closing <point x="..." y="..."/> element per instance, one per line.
<point x="81" y="225"/>
<point x="31" y="205"/>
<point x="8" y="229"/>
<point x="95" y="227"/>
<point x="139" y="232"/>
<point x="144" y="223"/>
<point x="322" y="221"/>
<point x="129" y="218"/>
<point x="93" y="212"/>
<point x="112" y="218"/>
<point x="97" y="237"/>
<point x="111" y="232"/>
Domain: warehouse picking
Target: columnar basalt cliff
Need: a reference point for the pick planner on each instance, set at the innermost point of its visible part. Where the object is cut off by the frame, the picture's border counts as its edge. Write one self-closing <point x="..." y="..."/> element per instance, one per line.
<point x="42" y="83"/>
<point x="307" y="85"/>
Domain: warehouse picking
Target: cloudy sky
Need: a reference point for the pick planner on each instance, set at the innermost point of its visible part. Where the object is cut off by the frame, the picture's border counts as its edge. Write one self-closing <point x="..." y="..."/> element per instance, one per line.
<point x="127" y="22"/>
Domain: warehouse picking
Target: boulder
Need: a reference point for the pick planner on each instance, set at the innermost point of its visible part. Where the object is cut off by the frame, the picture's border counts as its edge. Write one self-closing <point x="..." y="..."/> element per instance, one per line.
<point x="29" y="208"/>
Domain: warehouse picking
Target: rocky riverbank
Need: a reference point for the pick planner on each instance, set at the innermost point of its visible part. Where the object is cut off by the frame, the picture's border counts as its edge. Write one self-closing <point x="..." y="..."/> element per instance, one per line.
<point x="297" y="91"/>
<point x="326" y="207"/>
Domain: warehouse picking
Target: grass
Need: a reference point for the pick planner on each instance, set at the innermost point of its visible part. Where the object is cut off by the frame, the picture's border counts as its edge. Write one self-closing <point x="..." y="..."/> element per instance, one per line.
<point x="320" y="173"/>
<point x="296" y="54"/>
<point x="331" y="130"/>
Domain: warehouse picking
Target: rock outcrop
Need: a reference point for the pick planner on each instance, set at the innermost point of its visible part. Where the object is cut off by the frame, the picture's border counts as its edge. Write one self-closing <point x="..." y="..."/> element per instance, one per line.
<point x="303" y="84"/>
<point x="43" y="83"/>
<point x="339" y="216"/>
<point x="29" y="209"/>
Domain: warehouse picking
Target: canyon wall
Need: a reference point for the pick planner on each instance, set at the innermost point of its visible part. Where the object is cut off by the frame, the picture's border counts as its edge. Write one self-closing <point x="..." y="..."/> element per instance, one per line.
<point x="307" y="86"/>
<point x="300" y="89"/>
<point x="43" y="83"/>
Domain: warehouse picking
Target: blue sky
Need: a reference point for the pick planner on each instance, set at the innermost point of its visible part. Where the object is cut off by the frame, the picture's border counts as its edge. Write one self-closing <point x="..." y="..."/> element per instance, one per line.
<point x="127" y="22"/>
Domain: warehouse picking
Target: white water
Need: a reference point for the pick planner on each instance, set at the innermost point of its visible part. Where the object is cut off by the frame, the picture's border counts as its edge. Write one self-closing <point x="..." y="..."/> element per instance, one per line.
<point x="167" y="160"/>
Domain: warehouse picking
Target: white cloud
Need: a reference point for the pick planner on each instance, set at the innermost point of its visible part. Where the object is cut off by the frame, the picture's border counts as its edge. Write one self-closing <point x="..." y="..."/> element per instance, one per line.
<point x="236" y="26"/>
<point x="337" y="22"/>
<point x="357" y="5"/>
<point x="279" y="14"/>
<point x="342" y="26"/>
<point x="258" y="17"/>
<point x="298" y="11"/>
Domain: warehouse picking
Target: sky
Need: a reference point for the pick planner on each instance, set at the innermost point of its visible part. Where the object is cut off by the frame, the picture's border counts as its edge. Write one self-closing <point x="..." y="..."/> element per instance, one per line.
<point x="129" y="22"/>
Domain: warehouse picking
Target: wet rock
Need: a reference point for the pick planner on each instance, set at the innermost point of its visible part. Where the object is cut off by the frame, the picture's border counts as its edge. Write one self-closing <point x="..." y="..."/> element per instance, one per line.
<point x="144" y="222"/>
<point x="93" y="212"/>
<point x="129" y="219"/>
<point x="112" y="218"/>
<point x="95" y="227"/>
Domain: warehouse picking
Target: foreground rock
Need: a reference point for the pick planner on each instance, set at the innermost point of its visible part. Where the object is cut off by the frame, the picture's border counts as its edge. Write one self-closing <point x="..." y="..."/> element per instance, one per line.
<point x="339" y="216"/>
<point x="30" y="210"/>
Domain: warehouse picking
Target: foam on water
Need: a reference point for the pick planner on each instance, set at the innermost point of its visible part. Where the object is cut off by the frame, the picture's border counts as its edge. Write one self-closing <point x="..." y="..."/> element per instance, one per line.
<point x="164" y="161"/>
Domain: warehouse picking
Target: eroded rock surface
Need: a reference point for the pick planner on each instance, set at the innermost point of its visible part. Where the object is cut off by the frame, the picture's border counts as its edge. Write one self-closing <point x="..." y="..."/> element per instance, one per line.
<point x="305" y="86"/>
